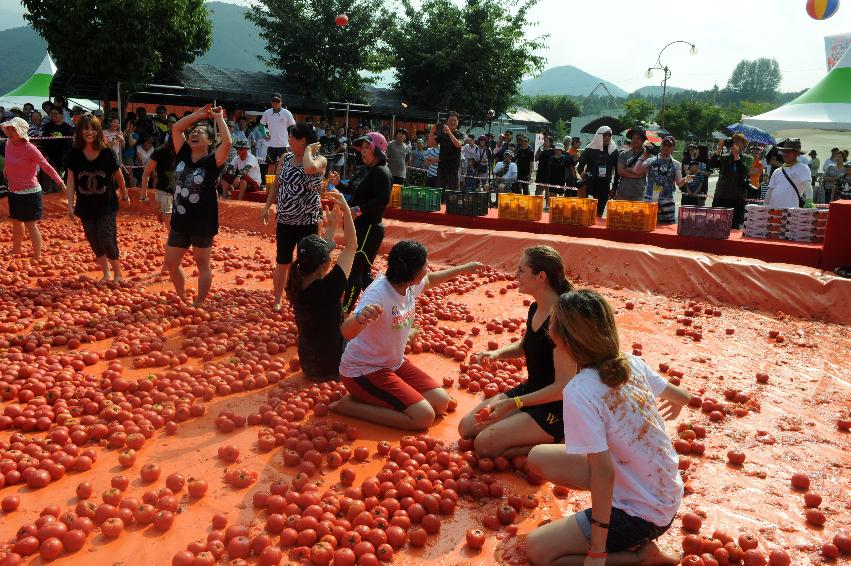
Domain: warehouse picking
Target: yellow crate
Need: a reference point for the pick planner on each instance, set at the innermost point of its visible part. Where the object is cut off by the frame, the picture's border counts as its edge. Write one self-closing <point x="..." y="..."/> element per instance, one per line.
<point x="395" y="197"/>
<point x="574" y="211"/>
<point x="521" y="207"/>
<point x="629" y="215"/>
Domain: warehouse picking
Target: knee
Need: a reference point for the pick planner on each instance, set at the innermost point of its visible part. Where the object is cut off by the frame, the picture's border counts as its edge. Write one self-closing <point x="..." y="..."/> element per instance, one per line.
<point x="467" y="426"/>
<point x="535" y="460"/>
<point x="422" y="416"/>
<point x="486" y="445"/>
<point x="439" y="400"/>
<point x="535" y="550"/>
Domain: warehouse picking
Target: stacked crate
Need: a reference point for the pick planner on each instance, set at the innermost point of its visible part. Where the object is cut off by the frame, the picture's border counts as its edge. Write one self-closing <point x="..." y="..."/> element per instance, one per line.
<point x="574" y="211"/>
<point x="521" y="207"/>
<point x="630" y="215"/>
<point x="705" y="222"/>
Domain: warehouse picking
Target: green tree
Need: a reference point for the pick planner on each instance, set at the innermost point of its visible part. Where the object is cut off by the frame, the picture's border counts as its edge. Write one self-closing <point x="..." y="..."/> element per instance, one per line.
<point x="468" y="57"/>
<point x="693" y="117"/>
<point x="326" y="60"/>
<point x="553" y="107"/>
<point x="90" y="37"/>
<point x="755" y="80"/>
<point x="637" y="111"/>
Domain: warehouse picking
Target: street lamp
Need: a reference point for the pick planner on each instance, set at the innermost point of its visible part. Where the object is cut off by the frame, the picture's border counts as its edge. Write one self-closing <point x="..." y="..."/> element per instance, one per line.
<point x="666" y="74"/>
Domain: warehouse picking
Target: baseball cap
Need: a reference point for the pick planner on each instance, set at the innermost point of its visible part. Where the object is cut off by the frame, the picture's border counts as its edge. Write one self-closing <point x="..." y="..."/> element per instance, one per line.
<point x="312" y="252"/>
<point x="240" y="144"/>
<point x="559" y="146"/>
<point x="276" y="96"/>
<point x="376" y="141"/>
<point x="509" y="153"/>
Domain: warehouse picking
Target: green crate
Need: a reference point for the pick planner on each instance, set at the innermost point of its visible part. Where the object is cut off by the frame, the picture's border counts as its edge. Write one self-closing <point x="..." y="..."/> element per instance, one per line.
<point x="422" y="199"/>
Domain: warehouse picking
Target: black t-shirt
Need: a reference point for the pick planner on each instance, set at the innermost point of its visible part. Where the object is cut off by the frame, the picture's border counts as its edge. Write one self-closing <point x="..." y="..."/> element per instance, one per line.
<point x="164" y="157"/>
<point x="370" y="190"/>
<point x="318" y="316"/>
<point x="328" y="143"/>
<point x="196" y="208"/>
<point x="450" y="156"/>
<point x="54" y="150"/>
<point x="523" y="158"/>
<point x="94" y="183"/>
<point x="538" y="349"/>
<point x="543" y="171"/>
<point x="558" y="166"/>
<point x="594" y="160"/>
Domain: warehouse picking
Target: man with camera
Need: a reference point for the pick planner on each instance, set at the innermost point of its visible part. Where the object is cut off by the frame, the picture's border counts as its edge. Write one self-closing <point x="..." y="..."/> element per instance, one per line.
<point x="448" y="139"/>
<point x="632" y="185"/>
<point x="733" y="166"/>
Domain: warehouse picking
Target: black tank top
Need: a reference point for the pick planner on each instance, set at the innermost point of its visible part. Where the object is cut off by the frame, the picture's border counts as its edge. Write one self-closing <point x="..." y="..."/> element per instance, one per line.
<point x="538" y="349"/>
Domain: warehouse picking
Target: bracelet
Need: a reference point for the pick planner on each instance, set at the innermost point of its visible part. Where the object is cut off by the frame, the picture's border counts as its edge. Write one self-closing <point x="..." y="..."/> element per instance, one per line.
<point x="592" y="554"/>
<point x="519" y="402"/>
<point x="600" y="524"/>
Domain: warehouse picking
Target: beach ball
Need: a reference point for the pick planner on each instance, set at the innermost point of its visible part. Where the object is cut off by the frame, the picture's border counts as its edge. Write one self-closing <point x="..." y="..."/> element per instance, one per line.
<point x="341" y="20"/>
<point x="822" y="9"/>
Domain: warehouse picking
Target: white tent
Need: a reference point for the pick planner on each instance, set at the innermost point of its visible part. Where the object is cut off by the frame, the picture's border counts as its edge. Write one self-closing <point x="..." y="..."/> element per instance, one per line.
<point x="37" y="89"/>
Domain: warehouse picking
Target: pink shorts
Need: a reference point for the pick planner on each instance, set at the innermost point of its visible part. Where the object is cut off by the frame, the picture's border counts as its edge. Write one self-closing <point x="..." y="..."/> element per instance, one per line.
<point x="392" y="389"/>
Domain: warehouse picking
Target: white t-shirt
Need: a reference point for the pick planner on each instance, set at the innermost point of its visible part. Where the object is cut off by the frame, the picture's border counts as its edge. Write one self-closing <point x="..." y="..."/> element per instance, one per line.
<point x="780" y="193"/>
<point x="381" y="345"/>
<point x="250" y="162"/>
<point x="278" y="122"/>
<point x="144" y="156"/>
<point x="625" y="422"/>
<point x="113" y="142"/>
<point x="510" y="175"/>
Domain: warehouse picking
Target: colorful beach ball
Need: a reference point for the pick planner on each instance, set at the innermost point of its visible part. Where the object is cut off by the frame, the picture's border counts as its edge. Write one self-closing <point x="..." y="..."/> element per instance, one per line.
<point x="822" y="9"/>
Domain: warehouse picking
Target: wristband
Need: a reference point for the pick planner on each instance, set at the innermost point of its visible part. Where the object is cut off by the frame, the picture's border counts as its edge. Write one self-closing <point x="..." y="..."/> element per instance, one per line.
<point x="592" y="554"/>
<point x="600" y="524"/>
<point x="519" y="402"/>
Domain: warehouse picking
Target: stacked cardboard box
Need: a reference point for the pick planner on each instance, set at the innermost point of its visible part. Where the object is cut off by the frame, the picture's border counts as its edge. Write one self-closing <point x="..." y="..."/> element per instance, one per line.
<point x="794" y="224"/>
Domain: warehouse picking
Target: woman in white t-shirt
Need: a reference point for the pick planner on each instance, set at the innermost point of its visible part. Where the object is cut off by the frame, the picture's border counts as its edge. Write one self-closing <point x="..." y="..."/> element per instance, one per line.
<point x="791" y="182"/>
<point x="384" y="386"/>
<point x="615" y="446"/>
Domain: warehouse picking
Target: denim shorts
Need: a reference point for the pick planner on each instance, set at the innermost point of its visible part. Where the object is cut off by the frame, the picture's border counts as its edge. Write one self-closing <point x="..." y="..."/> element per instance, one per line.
<point x="625" y="531"/>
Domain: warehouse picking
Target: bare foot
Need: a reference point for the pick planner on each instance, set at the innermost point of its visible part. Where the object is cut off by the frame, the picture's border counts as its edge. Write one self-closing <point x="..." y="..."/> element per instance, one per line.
<point x="277" y="306"/>
<point x="118" y="279"/>
<point x="340" y="405"/>
<point x="105" y="278"/>
<point x="651" y="555"/>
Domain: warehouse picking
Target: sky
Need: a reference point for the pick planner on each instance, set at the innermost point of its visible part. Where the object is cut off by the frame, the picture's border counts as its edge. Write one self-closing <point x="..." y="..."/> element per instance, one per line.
<point x="617" y="40"/>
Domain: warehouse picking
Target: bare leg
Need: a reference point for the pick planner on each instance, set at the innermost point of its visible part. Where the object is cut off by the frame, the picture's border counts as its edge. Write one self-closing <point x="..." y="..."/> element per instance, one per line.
<point x="166" y="218"/>
<point x="438" y="398"/>
<point x="555" y="465"/>
<point x="205" y="273"/>
<point x="226" y="188"/>
<point x="103" y="263"/>
<point x="116" y="270"/>
<point x="241" y="185"/>
<point x="279" y="279"/>
<point x="469" y="427"/>
<point x="17" y="236"/>
<point x="35" y="238"/>
<point x="515" y="430"/>
<point x="418" y="416"/>
<point x="173" y="256"/>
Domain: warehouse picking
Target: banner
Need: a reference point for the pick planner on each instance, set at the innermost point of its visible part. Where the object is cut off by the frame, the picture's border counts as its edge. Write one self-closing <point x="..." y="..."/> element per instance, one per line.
<point x="835" y="47"/>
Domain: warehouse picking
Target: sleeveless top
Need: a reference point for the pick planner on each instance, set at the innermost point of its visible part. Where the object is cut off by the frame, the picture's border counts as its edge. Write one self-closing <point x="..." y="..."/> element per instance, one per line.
<point x="298" y="196"/>
<point x="538" y="349"/>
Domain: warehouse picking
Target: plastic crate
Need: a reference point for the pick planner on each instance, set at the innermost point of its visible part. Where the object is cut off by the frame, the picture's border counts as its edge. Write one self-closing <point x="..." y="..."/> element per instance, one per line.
<point x="395" y="197"/>
<point x="574" y="211"/>
<point x="705" y="222"/>
<point x="422" y="199"/>
<point x="467" y="203"/>
<point x="631" y="215"/>
<point x="521" y="207"/>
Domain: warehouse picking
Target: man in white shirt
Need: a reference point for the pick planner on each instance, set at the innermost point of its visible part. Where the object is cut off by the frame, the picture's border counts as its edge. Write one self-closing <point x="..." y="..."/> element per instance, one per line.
<point x="506" y="171"/>
<point x="791" y="183"/>
<point x="243" y="174"/>
<point x="277" y="120"/>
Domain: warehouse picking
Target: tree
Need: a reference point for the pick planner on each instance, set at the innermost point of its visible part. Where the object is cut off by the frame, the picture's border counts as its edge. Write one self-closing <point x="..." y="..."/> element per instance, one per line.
<point x="553" y="107"/>
<point x="89" y="37"/>
<point x="695" y="118"/>
<point x="470" y="58"/>
<point x="637" y="111"/>
<point x="322" y="58"/>
<point x="755" y="80"/>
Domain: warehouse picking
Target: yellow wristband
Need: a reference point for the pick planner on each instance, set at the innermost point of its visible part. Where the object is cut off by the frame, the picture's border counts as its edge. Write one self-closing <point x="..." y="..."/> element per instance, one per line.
<point x="519" y="402"/>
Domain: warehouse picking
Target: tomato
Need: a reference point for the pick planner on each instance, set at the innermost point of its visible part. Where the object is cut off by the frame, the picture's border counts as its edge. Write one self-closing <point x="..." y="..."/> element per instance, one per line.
<point x="361" y="454"/>
<point x="829" y="550"/>
<point x="10" y="503"/>
<point x="418" y="536"/>
<point x="736" y="457"/>
<point x="812" y="499"/>
<point x="396" y="536"/>
<point x="748" y="541"/>
<point x="163" y="520"/>
<point x="692" y="523"/>
<point x="288" y="536"/>
<point x="347" y="476"/>
<point x="127" y="458"/>
<point x="344" y="557"/>
<point x="842" y="541"/>
<point x="197" y="488"/>
<point x="204" y="558"/>
<point x="112" y="527"/>
<point x="692" y="544"/>
<point x="814" y="517"/>
<point x="271" y="556"/>
<point x="183" y="558"/>
<point x="692" y="560"/>
<point x="321" y="554"/>
<point x="26" y="546"/>
<point x="144" y="514"/>
<point x="800" y="481"/>
<point x="754" y="557"/>
<point x="368" y="559"/>
<point x="475" y="538"/>
<point x="175" y="482"/>
<point x="120" y="482"/>
<point x="150" y="472"/>
<point x="229" y="453"/>
<point x="506" y="514"/>
<point x="492" y="522"/>
<point x="239" y="547"/>
<point x="779" y="557"/>
<point x="38" y="479"/>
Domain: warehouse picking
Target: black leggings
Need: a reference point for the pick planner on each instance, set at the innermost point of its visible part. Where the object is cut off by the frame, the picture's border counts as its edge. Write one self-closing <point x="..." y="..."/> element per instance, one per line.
<point x="599" y="189"/>
<point x="101" y="235"/>
<point x="370" y="237"/>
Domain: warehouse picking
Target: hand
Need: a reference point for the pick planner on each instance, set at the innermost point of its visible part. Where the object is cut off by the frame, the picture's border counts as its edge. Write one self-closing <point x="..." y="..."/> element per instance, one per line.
<point x="501" y="409"/>
<point x="265" y="215"/>
<point x="369" y="314"/>
<point x="126" y="198"/>
<point x="334" y="178"/>
<point x="333" y="215"/>
<point x="204" y="111"/>
<point x="490" y="355"/>
<point x="720" y="147"/>
<point x="339" y="198"/>
<point x="217" y="113"/>
<point x="669" y="410"/>
<point x="474" y="266"/>
<point x="314" y="149"/>
<point x="735" y="151"/>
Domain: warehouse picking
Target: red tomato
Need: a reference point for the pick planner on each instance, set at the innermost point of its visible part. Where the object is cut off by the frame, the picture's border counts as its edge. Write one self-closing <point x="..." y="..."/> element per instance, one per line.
<point x="344" y="557"/>
<point x="149" y="472"/>
<point x="10" y="503"/>
<point x="175" y="482"/>
<point x="692" y="523"/>
<point x="800" y="481"/>
<point x="197" y="488"/>
<point x="239" y="547"/>
<point x="492" y="522"/>
<point x="736" y="457"/>
<point x="815" y="517"/>
<point x="163" y="520"/>
<point x="506" y="514"/>
<point x="183" y="558"/>
<point x="692" y="544"/>
<point x="112" y="527"/>
<point x="475" y="538"/>
<point x="779" y="557"/>
<point x="748" y="541"/>
<point x="321" y="554"/>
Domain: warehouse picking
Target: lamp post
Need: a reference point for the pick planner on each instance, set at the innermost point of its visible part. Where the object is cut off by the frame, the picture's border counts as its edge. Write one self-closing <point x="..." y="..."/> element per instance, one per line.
<point x="666" y="74"/>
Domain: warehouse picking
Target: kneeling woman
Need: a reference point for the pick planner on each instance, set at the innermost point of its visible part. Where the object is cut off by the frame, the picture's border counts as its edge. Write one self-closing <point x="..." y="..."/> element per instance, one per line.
<point x="315" y="290"/>
<point x="384" y="386"/>
<point x="529" y="414"/>
<point x="615" y="446"/>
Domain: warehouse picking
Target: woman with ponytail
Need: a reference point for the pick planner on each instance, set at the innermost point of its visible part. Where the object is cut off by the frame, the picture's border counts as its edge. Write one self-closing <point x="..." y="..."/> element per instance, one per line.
<point x="615" y="446"/>
<point x="315" y="290"/>
<point x="529" y="414"/>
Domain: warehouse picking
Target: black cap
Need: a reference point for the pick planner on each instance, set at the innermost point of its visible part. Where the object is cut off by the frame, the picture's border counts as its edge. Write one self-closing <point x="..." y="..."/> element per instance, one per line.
<point x="636" y="130"/>
<point x="276" y="96"/>
<point x="312" y="252"/>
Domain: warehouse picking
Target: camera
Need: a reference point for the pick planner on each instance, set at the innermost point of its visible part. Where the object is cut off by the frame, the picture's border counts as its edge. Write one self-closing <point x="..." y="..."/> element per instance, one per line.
<point x="728" y="142"/>
<point x="651" y="149"/>
<point x="441" y="127"/>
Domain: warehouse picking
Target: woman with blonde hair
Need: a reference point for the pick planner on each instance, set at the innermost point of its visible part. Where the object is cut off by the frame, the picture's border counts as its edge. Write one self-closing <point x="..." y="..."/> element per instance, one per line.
<point x="615" y="446"/>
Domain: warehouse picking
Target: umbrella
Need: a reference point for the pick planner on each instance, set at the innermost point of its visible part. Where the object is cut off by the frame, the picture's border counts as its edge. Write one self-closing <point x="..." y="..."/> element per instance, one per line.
<point x="753" y="134"/>
<point x="652" y="136"/>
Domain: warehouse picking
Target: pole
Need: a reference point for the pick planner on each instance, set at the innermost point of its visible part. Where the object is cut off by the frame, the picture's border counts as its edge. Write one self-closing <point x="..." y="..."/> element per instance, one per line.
<point x="664" y="92"/>
<point x="393" y="124"/>
<point x="346" y="153"/>
<point x="118" y="101"/>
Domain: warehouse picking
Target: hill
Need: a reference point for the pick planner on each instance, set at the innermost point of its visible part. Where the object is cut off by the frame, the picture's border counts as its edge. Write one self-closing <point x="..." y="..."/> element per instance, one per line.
<point x="236" y="44"/>
<point x="11" y="17"/>
<point x="655" y="90"/>
<point x="567" y="80"/>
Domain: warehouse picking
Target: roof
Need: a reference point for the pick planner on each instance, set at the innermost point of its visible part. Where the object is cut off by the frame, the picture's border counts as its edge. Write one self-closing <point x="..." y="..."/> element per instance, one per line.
<point x="525" y="116"/>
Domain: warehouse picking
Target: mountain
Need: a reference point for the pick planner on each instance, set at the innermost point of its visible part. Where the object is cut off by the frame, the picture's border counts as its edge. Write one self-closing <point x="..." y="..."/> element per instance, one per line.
<point x="236" y="45"/>
<point x="655" y="90"/>
<point x="568" y="80"/>
<point x="12" y="17"/>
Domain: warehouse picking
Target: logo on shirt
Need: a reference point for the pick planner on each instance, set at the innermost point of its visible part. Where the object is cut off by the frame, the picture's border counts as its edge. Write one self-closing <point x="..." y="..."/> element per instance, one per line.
<point x="401" y="320"/>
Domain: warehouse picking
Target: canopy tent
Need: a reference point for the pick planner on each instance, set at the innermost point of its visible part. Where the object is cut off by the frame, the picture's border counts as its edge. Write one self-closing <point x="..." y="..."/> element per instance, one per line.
<point x="37" y="89"/>
<point x="826" y="106"/>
